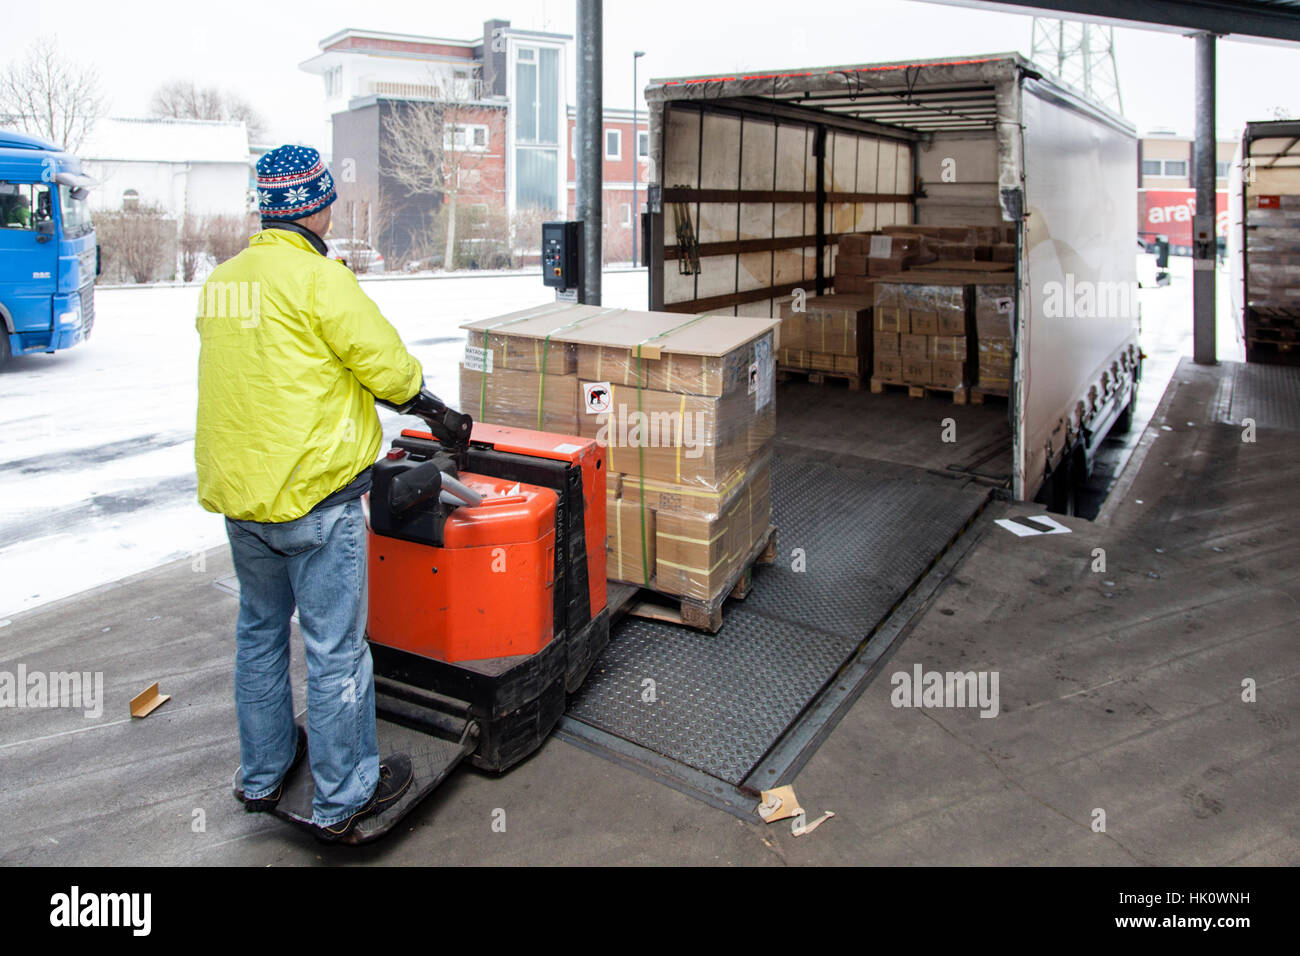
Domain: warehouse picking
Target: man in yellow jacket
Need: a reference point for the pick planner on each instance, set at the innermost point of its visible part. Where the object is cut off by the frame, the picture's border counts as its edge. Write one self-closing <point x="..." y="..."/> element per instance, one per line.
<point x="292" y="357"/>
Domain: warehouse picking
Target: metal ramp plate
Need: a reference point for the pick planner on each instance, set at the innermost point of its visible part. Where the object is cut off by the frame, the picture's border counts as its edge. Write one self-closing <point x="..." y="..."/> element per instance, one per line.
<point x="1268" y="394"/>
<point x="432" y="759"/>
<point x="868" y="531"/>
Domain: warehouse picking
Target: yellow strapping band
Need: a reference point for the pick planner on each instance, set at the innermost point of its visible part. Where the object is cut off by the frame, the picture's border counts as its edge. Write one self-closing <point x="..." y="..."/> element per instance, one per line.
<point x="681" y="418"/>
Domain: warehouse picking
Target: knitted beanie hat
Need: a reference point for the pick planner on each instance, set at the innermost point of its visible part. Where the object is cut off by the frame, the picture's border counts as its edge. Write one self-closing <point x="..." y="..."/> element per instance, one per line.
<point x="292" y="182"/>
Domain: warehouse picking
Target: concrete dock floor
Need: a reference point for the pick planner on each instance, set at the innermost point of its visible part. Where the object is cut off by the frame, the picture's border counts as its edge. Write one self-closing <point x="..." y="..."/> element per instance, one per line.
<point x="1120" y="691"/>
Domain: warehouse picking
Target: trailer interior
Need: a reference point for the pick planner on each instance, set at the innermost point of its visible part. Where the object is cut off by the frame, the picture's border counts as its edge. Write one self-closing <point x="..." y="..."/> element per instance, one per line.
<point x="871" y="492"/>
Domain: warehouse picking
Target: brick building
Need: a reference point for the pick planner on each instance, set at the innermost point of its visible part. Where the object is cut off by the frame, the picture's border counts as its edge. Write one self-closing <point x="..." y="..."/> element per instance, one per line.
<point x="621" y="155"/>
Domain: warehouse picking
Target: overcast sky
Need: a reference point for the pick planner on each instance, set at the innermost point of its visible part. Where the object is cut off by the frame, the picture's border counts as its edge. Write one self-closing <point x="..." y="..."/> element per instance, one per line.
<point x="255" y="47"/>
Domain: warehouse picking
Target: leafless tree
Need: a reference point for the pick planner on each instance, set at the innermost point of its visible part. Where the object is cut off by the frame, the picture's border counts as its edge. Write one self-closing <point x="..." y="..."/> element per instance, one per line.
<point x="137" y="242"/>
<point x="192" y="243"/>
<point x="51" y="97"/>
<point x="426" y="148"/>
<point x="185" y="99"/>
<point x="227" y="236"/>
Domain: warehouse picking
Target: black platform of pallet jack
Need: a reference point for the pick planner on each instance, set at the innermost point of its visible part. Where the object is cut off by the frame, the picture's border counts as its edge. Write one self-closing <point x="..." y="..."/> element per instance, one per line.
<point x="723" y="716"/>
<point x="433" y="758"/>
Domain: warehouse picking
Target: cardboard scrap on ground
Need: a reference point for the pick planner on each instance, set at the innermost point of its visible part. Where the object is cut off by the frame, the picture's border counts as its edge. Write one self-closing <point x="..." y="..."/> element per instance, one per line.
<point x="781" y="804"/>
<point x="146" y="702"/>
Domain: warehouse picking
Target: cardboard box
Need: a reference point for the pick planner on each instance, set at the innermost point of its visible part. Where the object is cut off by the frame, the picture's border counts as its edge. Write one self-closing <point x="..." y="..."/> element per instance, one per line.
<point x="914" y="347"/>
<point x="889" y="367"/>
<point x="848" y="364"/>
<point x="697" y="555"/>
<point x="1004" y="252"/>
<point x="951" y="347"/>
<point x="951" y="323"/>
<point x="520" y="353"/>
<point x="852" y="284"/>
<point x="792" y="331"/>
<point x="821" y="361"/>
<point x="706" y="355"/>
<point x="670" y="418"/>
<point x="916" y="371"/>
<point x="512" y="399"/>
<point x="888" y="343"/>
<point x="629" y="542"/>
<point x="666" y="496"/>
<point x="837" y="324"/>
<point x="922" y="323"/>
<point x="947" y="374"/>
<point x="846" y="264"/>
<point x="890" y="319"/>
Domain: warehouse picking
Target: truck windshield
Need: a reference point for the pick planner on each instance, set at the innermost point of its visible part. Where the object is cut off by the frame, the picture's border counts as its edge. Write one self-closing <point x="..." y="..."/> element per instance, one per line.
<point x="76" y="214"/>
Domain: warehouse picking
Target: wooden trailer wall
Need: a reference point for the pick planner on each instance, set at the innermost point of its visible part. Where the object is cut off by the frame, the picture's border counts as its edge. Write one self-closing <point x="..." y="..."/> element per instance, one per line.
<point x="753" y="187"/>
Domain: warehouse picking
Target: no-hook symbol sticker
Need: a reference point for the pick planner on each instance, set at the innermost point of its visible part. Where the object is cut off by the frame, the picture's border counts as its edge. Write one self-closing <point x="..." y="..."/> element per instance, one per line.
<point x="596" y="397"/>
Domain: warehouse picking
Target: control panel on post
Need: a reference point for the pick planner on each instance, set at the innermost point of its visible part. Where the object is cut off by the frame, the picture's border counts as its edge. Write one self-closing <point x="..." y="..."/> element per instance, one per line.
<point x="562" y="259"/>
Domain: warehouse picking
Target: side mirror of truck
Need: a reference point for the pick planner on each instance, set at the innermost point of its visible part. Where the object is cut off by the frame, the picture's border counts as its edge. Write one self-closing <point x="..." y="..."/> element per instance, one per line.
<point x="45" y="230"/>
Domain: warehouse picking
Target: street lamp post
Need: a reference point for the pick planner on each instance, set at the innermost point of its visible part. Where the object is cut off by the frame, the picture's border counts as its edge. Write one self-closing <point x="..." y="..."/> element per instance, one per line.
<point x="636" y="161"/>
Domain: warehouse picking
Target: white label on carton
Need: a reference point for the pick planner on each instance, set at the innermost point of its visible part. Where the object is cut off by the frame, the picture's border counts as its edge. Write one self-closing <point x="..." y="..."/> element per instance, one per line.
<point x="567" y="449"/>
<point x="1006" y="305"/>
<point x="762" y="374"/>
<point x="881" y="246"/>
<point x="478" y="359"/>
<point x="596" y="397"/>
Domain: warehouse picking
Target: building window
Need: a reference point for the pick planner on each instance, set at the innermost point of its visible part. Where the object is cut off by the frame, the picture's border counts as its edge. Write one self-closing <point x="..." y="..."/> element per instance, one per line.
<point x="334" y="81"/>
<point x="613" y="144"/>
<point x="1221" y="170"/>
<point x="465" y="137"/>
<point x="1151" y="167"/>
<point x="1175" y="167"/>
<point x="627" y="214"/>
<point x="130" y="199"/>
<point x="643" y="144"/>
<point x="537" y="95"/>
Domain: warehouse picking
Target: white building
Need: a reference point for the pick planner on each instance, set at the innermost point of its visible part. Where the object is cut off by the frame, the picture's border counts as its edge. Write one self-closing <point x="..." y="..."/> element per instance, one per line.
<point x="199" y="167"/>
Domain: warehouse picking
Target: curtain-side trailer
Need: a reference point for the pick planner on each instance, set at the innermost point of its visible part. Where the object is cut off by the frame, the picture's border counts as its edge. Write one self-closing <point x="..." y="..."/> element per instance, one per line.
<point x="1264" y="241"/>
<point x="771" y="168"/>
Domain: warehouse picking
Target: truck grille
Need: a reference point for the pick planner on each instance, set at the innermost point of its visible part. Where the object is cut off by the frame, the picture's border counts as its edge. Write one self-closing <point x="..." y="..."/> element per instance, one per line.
<point x="87" y="308"/>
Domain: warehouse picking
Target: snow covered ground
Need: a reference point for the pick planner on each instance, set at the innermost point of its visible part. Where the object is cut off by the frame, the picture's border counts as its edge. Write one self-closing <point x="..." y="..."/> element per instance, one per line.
<point x="97" y="443"/>
<point x="97" y="453"/>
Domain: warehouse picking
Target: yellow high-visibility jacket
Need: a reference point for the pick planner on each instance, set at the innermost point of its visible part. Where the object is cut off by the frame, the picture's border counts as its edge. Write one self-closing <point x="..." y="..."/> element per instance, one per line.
<point x="292" y="356"/>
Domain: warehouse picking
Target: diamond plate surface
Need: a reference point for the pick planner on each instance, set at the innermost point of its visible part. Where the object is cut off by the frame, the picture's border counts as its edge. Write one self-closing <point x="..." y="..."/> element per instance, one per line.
<point x="1270" y="394"/>
<point x="868" y="531"/>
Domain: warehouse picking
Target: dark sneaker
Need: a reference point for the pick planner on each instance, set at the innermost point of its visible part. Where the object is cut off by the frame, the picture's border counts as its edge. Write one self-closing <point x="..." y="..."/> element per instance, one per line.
<point x="395" y="776"/>
<point x="269" y="802"/>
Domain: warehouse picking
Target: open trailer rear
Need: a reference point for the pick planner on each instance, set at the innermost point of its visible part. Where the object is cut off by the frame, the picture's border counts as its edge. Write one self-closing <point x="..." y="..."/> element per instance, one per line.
<point x="755" y="178"/>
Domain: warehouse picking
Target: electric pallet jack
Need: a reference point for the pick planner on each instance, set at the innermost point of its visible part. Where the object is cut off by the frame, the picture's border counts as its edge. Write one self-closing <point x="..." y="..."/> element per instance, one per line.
<point x="487" y="597"/>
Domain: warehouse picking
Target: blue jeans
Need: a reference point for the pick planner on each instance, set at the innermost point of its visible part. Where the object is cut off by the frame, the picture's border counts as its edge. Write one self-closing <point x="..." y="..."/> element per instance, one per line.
<point x="317" y="562"/>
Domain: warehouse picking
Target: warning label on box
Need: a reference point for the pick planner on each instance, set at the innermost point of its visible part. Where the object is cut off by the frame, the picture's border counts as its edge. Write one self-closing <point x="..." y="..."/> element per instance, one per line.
<point x="477" y="359"/>
<point x="596" y="398"/>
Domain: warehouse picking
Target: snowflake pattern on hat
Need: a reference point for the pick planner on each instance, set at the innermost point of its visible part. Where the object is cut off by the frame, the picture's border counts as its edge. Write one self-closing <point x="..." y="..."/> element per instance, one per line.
<point x="292" y="182"/>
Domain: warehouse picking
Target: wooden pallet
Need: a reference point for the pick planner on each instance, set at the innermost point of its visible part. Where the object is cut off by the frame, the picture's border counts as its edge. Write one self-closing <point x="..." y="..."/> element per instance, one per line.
<point x="959" y="394"/>
<point x="817" y="376"/>
<point x="977" y="394"/>
<point x="702" y="615"/>
<point x="1271" y="333"/>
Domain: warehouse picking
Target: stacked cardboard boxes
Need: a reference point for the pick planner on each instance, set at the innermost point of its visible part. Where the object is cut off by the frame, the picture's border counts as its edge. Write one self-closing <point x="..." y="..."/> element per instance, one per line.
<point x="831" y="334"/>
<point x="920" y="334"/>
<point x="685" y="408"/>
<point x="994" y="302"/>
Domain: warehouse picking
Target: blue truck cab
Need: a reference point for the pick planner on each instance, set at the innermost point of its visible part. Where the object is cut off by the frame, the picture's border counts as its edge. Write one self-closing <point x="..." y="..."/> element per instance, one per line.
<point x="48" y="256"/>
